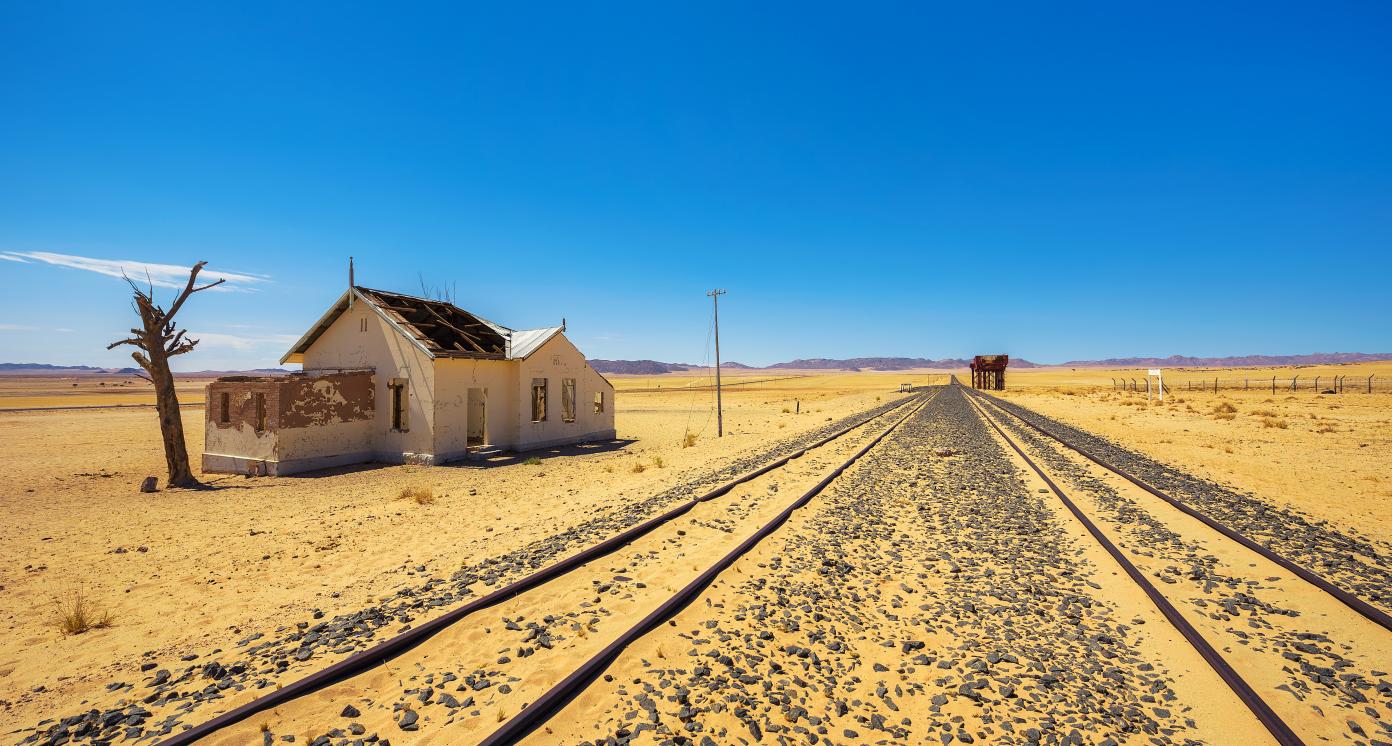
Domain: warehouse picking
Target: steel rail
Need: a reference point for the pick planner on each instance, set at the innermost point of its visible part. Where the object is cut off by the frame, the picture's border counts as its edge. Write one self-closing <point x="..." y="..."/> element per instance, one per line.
<point x="1278" y="728"/>
<point x="401" y="643"/>
<point x="1367" y="610"/>
<point x="577" y="681"/>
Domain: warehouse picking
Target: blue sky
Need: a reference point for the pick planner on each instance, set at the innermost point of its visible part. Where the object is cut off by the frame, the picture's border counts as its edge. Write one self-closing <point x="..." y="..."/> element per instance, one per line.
<point x="1055" y="181"/>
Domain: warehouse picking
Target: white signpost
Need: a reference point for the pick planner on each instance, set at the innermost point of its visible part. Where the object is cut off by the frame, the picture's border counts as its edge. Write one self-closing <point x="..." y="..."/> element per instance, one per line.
<point x="1160" y="383"/>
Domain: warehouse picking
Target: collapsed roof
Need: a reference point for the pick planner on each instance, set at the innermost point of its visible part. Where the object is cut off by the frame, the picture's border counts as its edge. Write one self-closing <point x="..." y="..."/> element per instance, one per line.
<point x="439" y="328"/>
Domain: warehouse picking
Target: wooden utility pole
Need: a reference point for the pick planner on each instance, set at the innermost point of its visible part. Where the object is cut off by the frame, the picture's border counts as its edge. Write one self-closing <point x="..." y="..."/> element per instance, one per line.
<point x="719" y="414"/>
<point x="157" y="340"/>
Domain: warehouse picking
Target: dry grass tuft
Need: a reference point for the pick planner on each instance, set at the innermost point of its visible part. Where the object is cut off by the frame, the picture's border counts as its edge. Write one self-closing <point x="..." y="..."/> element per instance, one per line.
<point x="638" y="467"/>
<point x="421" y="495"/>
<point x="689" y="439"/>
<point x="1224" y="408"/>
<point x="1326" y="427"/>
<point x="1263" y="413"/>
<point x="658" y="463"/>
<point x="77" y="614"/>
<point x="532" y="461"/>
<point x="1275" y="422"/>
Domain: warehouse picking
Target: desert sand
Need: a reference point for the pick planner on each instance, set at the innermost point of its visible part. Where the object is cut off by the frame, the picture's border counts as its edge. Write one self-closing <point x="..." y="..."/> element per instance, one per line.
<point x="933" y="590"/>
<point x="190" y="572"/>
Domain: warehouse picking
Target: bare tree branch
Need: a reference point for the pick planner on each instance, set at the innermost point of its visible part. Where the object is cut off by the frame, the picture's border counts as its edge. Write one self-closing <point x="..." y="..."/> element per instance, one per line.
<point x="189" y="289"/>
<point x="120" y="342"/>
<point x="181" y="349"/>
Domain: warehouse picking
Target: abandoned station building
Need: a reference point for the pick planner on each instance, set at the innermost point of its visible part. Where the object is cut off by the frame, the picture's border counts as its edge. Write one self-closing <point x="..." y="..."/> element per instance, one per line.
<point x="401" y="379"/>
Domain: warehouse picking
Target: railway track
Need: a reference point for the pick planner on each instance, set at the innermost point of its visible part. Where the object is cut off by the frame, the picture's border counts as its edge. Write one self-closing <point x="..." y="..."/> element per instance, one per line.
<point x="383" y="652"/>
<point x="1278" y="606"/>
<point x="574" y="683"/>
<point x="935" y="538"/>
<point x="1255" y="702"/>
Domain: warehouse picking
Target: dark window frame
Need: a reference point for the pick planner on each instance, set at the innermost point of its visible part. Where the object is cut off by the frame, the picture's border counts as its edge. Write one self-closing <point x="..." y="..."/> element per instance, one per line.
<point x="539" y="395"/>
<point x="568" y="413"/>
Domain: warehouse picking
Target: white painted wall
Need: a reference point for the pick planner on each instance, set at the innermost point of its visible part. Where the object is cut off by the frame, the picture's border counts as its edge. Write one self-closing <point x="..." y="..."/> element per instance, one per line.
<point x="453" y="379"/>
<point x="391" y="355"/>
<point x="556" y="360"/>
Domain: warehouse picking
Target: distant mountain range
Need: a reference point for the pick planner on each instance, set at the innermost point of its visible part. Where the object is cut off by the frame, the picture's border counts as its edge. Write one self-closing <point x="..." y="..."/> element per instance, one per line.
<point x="654" y="367"/>
<point x="1180" y="361"/>
<point x="650" y="367"/>
<point x="44" y="369"/>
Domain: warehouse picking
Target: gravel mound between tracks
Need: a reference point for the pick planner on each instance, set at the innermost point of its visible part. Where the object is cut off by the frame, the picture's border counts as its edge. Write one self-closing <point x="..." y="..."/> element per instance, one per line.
<point x="928" y="596"/>
<point x="1318" y="668"/>
<point x="1357" y="564"/>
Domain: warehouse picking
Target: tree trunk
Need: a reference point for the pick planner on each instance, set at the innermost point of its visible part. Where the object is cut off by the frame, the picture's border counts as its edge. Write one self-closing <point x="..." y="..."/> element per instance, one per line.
<point x="170" y="418"/>
<point x="161" y="340"/>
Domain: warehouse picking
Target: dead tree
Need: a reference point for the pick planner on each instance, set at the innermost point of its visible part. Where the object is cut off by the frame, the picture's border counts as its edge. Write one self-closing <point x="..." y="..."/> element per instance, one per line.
<point x="158" y="340"/>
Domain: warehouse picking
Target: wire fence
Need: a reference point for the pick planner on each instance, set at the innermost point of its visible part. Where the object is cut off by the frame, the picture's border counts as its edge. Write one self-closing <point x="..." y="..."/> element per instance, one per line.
<point x="1321" y="384"/>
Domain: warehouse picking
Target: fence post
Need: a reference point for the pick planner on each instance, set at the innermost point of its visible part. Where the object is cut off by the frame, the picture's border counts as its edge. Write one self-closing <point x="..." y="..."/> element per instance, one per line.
<point x="1293" y="381"/>
<point x="1317" y="384"/>
<point x="1215" y="385"/>
<point x="1273" y="384"/>
<point x="1246" y="384"/>
<point x="1370" y="384"/>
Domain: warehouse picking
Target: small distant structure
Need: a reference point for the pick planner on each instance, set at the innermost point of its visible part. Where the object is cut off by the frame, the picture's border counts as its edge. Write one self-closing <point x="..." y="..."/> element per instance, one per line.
<point x="905" y="388"/>
<point x="988" y="372"/>
<point x="402" y="379"/>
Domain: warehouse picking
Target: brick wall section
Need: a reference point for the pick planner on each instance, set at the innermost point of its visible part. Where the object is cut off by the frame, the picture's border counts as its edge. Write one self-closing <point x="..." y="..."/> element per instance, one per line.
<point x="241" y="404"/>
<point x="292" y="401"/>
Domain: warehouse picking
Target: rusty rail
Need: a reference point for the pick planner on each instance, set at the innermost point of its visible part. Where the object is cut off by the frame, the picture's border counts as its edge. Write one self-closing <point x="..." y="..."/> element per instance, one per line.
<point x="1367" y="610"/>
<point x="395" y="646"/>
<point x="572" y="685"/>
<point x="1278" y="728"/>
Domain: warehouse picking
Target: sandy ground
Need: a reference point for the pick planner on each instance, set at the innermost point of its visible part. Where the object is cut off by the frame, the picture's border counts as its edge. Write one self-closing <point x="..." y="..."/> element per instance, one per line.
<point x="192" y="572"/>
<point x="188" y="575"/>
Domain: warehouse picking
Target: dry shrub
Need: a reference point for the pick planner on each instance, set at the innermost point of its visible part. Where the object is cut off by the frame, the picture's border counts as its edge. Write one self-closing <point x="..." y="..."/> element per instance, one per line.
<point x="638" y="467"/>
<point x="787" y="411"/>
<point x="1224" y="408"/>
<point x="689" y="439"/>
<point x="422" y="495"/>
<point x="1263" y="412"/>
<point x="77" y="614"/>
<point x="1224" y="416"/>
<point x="1275" y="422"/>
<point x="532" y="461"/>
<point x="659" y="463"/>
<point x="1326" y="428"/>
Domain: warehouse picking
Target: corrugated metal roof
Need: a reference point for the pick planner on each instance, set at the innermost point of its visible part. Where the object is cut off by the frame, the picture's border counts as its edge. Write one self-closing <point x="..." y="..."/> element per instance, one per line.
<point x="527" y="341"/>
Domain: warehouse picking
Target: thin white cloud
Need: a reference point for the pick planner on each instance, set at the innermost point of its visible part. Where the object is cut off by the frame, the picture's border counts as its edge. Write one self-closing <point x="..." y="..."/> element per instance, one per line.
<point x="243" y="342"/>
<point x="64" y="330"/>
<point x="17" y="328"/>
<point x="160" y="275"/>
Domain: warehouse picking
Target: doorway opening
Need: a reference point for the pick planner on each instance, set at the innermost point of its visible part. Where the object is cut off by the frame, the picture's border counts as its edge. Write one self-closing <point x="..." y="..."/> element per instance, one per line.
<point x="478" y="417"/>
